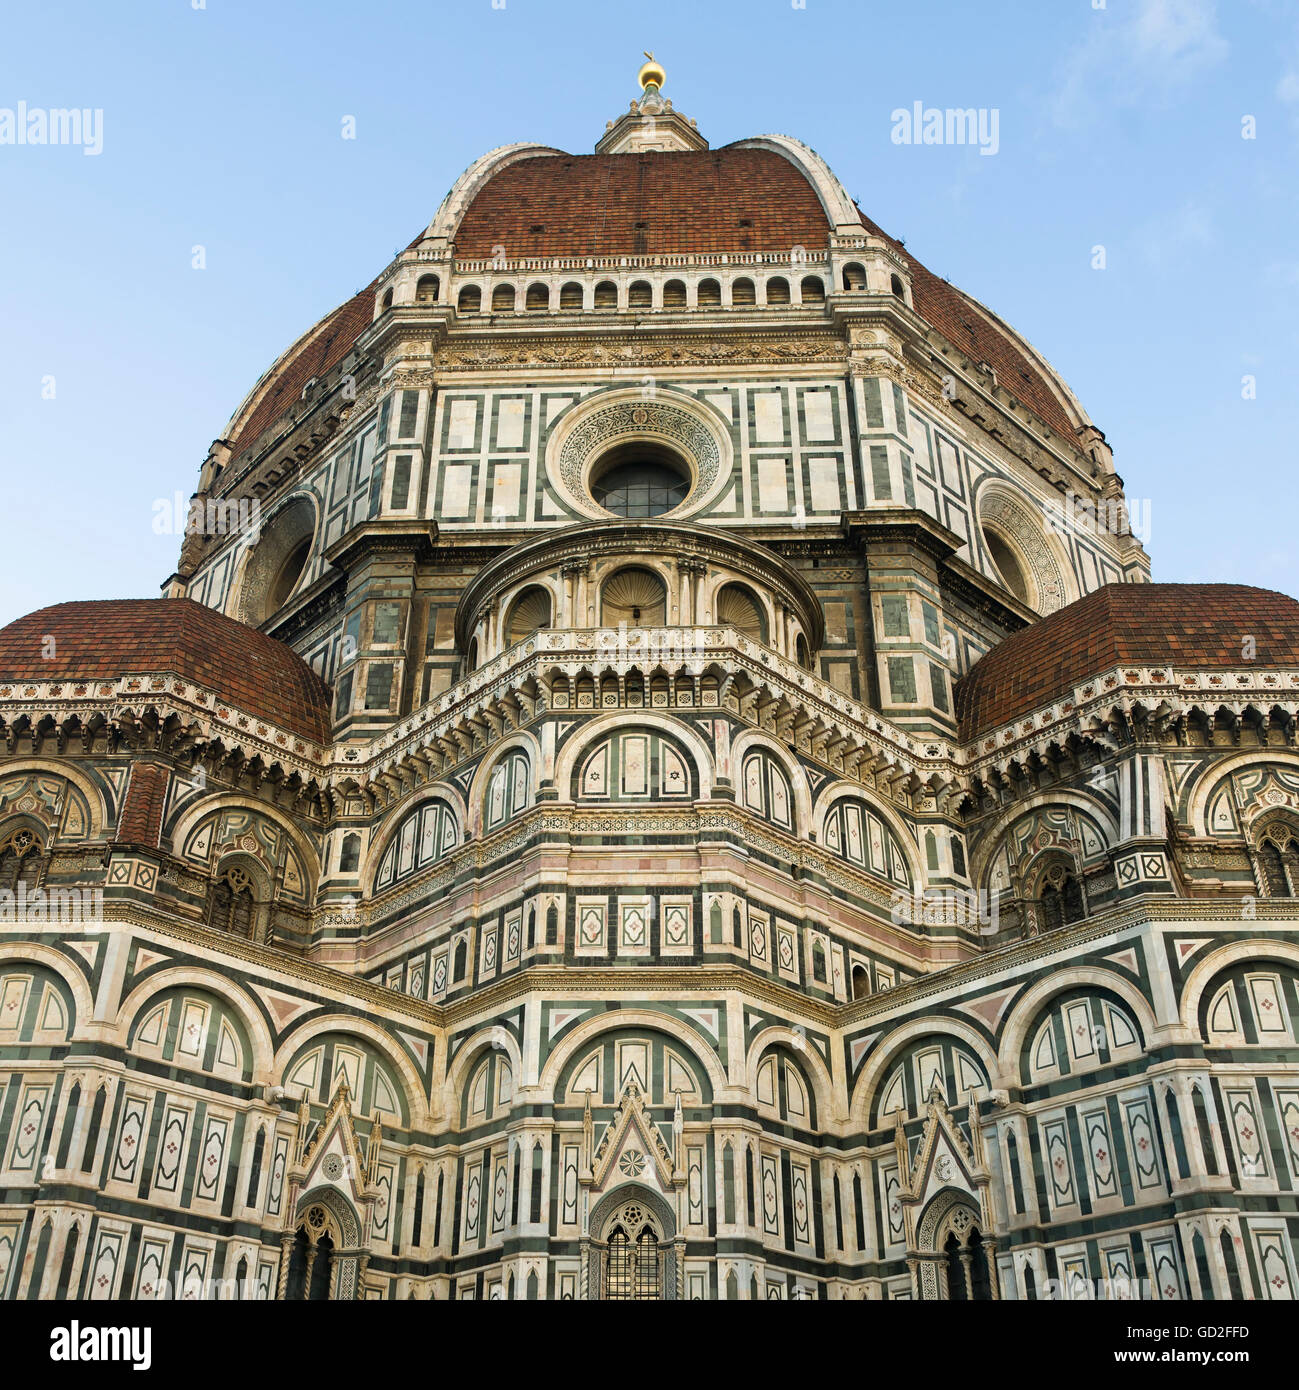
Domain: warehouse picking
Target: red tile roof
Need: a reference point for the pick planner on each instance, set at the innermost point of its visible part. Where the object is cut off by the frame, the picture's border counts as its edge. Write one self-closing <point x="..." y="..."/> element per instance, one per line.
<point x="146" y="795"/>
<point x="661" y="203"/>
<point x="1189" y="626"/>
<point x="106" y="639"/>
<point x="966" y="327"/>
<point x="322" y="352"/>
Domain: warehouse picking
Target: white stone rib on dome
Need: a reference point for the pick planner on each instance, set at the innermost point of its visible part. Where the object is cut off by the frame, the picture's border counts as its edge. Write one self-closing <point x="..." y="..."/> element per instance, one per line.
<point x="840" y="209"/>
<point x="446" y="220"/>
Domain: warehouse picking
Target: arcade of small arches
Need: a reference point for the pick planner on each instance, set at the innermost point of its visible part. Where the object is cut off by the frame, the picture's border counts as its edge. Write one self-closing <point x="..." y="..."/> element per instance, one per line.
<point x="632" y="1236"/>
<point x="801" y="285"/>
<point x="646" y="763"/>
<point x="619" y="581"/>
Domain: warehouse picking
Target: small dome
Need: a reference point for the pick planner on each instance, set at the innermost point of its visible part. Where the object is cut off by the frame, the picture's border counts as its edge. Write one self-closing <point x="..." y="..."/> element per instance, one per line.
<point x="111" y="638"/>
<point x="1189" y="626"/>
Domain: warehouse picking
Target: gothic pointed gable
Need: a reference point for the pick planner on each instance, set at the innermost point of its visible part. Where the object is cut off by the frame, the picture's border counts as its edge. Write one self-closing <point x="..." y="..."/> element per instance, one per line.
<point x="632" y="1147"/>
<point x="943" y="1159"/>
<point x="332" y="1155"/>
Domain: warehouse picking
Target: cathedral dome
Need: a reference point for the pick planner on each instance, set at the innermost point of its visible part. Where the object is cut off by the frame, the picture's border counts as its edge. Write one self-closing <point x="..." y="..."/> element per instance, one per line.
<point x="107" y="639"/>
<point x="1193" y="626"/>
<point x="672" y="202"/>
<point x="764" y="198"/>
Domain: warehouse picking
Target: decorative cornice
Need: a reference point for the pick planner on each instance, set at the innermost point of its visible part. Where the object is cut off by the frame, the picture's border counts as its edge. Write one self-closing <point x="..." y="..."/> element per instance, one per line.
<point x="642" y="350"/>
<point x="1171" y="691"/>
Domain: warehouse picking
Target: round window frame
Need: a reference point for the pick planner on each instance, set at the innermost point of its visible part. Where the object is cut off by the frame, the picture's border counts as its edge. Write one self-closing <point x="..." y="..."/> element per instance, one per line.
<point x="690" y="431"/>
<point x="634" y="450"/>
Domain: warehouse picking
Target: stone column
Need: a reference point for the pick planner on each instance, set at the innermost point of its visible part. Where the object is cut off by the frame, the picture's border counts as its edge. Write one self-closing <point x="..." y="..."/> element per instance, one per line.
<point x="286" y="1248"/>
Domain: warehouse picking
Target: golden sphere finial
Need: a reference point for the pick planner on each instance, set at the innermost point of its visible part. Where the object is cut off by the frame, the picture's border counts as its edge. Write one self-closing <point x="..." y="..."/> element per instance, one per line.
<point x="651" y="73"/>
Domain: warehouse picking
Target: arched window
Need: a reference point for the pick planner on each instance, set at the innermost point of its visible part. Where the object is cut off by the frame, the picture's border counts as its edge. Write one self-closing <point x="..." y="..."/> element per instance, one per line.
<point x="508" y="789"/>
<point x="855" y="833"/>
<point x="571" y="296"/>
<point x="349" y="859"/>
<point x="423" y="837"/>
<point x="427" y="289"/>
<point x="640" y="295"/>
<point x="765" y="789"/>
<point x="311" y="1260"/>
<point x="606" y="295"/>
<point x="1060" y="897"/>
<point x="634" y="597"/>
<point x="1278" y="856"/>
<point x="461" y="961"/>
<point x="980" y="1284"/>
<point x="777" y="290"/>
<point x="966" y="1260"/>
<point x="255" y="1168"/>
<point x="710" y="294"/>
<point x="386" y="302"/>
<point x="674" y="294"/>
<point x="503" y="299"/>
<point x="813" y="289"/>
<point x="232" y="907"/>
<point x="21" y="854"/>
<point x="895" y="284"/>
<point x="743" y="291"/>
<point x="634" y="765"/>
<point x="1274" y="879"/>
<point x="1007" y="564"/>
<point x="639" y="481"/>
<point x="738" y="608"/>
<point x="956" y="1290"/>
<point x="819" y="972"/>
<point x="528" y="612"/>
<point x="782" y="1089"/>
<point x="801" y="653"/>
<point x="632" y="1257"/>
<point x="854" y="276"/>
<point x="538" y="296"/>
<point x="470" y="300"/>
<point x="861" y="982"/>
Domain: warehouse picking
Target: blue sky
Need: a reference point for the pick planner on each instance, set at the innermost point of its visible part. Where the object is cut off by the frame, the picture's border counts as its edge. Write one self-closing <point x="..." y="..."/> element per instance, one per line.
<point x="1118" y="126"/>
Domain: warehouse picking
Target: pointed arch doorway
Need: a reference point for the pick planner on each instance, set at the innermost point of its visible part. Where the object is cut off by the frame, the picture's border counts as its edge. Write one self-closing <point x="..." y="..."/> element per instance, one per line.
<point x="955" y="1260"/>
<point x="631" y="1252"/>
<point x="322" y="1261"/>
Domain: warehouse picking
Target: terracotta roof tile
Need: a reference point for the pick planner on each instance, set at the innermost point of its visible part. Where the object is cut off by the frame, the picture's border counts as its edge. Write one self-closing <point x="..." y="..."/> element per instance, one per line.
<point x="1193" y="626"/>
<point x="964" y="326"/>
<point x="322" y="352"/>
<point x="650" y="204"/>
<point x="146" y="795"/>
<point x="116" y="637"/>
<point x="660" y="203"/>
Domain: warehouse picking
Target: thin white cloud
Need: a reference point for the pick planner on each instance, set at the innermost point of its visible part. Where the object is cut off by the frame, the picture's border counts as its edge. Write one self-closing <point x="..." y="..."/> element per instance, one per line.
<point x="1137" y="51"/>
